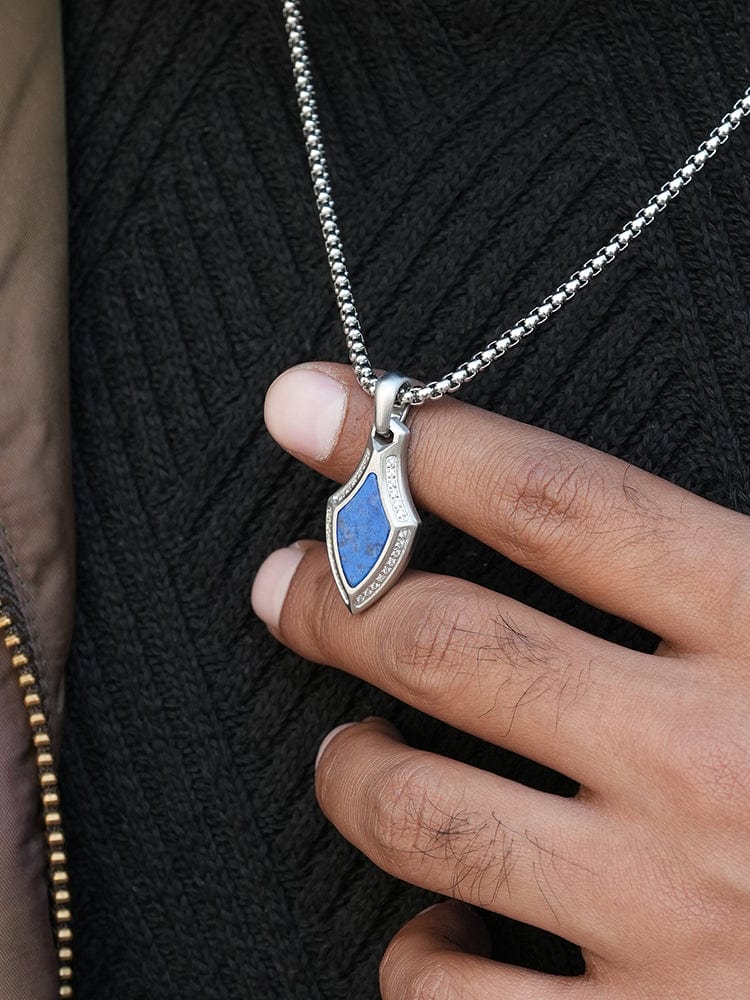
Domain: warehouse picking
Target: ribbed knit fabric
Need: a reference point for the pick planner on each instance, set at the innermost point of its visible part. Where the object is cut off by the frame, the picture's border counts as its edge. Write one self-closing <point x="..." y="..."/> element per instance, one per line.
<point x="480" y="152"/>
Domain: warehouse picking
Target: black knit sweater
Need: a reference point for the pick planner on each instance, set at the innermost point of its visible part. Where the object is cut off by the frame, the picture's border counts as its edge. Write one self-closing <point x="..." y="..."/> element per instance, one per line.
<point x="480" y="152"/>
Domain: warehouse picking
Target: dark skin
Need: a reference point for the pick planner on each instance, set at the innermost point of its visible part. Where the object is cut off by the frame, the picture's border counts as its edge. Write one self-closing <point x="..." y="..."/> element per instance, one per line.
<point x="647" y="868"/>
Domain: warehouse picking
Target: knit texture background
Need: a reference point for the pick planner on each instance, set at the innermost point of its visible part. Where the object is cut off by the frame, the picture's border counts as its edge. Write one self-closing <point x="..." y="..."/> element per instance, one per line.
<point x="480" y="152"/>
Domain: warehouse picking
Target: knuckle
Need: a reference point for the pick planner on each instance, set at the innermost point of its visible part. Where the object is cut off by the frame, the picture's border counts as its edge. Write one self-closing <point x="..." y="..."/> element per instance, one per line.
<point x="425" y="658"/>
<point x="406" y="816"/>
<point x="418" y="820"/>
<point x="708" y="762"/>
<point x="549" y="491"/>
<point x="399" y="799"/>
<point x="702" y="758"/>
<point x="717" y="760"/>
<point x="555" y="496"/>
<point x="684" y="891"/>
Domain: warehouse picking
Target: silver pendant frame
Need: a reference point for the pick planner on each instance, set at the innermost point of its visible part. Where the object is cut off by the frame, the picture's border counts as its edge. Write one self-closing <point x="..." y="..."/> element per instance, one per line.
<point x="387" y="459"/>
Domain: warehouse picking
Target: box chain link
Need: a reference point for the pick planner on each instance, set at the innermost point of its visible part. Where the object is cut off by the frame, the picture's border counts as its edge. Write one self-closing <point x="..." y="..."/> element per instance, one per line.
<point x="415" y="395"/>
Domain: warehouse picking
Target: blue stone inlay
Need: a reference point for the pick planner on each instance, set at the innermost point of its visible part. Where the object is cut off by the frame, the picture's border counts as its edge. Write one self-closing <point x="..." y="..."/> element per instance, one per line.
<point x="362" y="530"/>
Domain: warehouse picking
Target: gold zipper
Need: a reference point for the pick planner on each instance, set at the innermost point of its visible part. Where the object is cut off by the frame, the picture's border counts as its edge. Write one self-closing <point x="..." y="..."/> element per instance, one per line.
<point x="49" y="792"/>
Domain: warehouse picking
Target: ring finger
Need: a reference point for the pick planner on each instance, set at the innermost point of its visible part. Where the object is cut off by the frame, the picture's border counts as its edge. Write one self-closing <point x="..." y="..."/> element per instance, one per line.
<point x="460" y="831"/>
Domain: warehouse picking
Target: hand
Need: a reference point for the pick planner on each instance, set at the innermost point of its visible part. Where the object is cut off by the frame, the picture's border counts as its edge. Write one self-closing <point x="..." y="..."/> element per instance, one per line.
<point x="647" y="868"/>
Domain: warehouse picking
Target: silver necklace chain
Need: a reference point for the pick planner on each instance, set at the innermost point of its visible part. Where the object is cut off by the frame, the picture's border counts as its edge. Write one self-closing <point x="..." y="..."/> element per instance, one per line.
<point x="415" y="395"/>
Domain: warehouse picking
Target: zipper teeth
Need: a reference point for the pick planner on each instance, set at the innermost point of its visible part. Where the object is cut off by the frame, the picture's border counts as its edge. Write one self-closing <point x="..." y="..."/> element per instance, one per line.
<point x="49" y="793"/>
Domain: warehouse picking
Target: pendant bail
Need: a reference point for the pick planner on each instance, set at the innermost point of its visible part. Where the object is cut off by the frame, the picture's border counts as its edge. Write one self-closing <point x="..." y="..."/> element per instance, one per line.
<point x="387" y="389"/>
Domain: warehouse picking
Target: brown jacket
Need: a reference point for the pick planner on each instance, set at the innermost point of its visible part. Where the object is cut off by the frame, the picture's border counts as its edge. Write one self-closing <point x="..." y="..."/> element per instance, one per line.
<point x="36" y="508"/>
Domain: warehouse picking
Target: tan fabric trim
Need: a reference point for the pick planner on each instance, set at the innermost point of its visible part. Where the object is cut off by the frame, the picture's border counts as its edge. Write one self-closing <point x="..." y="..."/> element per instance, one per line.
<point x="36" y="527"/>
<point x="36" y="524"/>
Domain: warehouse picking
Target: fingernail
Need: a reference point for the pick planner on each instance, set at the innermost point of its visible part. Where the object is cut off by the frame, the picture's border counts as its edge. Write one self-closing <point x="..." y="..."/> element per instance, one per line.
<point x="327" y="739"/>
<point x="304" y="410"/>
<point x="272" y="582"/>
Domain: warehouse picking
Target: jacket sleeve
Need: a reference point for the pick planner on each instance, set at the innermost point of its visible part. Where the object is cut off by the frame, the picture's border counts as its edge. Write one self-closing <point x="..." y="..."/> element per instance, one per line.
<point x="36" y="522"/>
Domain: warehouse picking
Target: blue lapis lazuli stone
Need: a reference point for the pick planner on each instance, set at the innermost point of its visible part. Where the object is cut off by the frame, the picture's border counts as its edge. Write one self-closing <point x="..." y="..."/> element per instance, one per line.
<point x="362" y="530"/>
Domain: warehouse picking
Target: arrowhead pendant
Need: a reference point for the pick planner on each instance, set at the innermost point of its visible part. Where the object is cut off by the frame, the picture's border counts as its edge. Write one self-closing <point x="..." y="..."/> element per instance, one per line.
<point x="371" y="521"/>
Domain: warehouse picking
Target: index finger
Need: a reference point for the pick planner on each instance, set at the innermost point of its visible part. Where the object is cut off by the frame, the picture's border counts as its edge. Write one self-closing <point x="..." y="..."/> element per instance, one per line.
<point x="614" y="535"/>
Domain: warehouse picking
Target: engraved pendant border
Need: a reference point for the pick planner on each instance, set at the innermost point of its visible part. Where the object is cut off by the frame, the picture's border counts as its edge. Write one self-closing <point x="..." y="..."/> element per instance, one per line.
<point x="387" y="459"/>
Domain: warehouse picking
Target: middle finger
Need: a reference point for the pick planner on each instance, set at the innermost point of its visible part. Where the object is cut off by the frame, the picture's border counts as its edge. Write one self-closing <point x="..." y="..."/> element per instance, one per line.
<point x="478" y="660"/>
